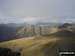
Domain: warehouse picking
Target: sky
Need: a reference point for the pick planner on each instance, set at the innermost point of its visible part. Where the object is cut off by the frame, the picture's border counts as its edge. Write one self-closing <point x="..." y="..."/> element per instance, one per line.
<point x="33" y="11"/>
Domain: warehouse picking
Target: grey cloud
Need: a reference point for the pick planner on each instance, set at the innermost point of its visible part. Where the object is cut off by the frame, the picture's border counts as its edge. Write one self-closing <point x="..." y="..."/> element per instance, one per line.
<point x="39" y="10"/>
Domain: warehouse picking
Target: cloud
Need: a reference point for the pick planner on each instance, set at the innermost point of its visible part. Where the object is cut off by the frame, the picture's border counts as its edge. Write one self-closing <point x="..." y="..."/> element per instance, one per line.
<point x="37" y="10"/>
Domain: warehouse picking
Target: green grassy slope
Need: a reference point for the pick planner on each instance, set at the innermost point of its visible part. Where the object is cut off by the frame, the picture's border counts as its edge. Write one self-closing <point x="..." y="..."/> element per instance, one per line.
<point x="45" y="46"/>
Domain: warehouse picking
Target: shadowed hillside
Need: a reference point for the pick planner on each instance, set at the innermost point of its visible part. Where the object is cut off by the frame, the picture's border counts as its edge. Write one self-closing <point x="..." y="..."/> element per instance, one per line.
<point x="64" y="33"/>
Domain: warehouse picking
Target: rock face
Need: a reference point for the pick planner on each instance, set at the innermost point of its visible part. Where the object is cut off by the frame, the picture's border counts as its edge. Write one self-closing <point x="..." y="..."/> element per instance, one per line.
<point x="33" y="30"/>
<point x="44" y="29"/>
<point x="8" y="52"/>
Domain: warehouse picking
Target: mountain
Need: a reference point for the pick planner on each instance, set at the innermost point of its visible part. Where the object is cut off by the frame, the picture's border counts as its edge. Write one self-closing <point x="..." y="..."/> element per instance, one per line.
<point x="54" y="25"/>
<point x="33" y="30"/>
<point x="8" y="31"/>
<point x="65" y="25"/>
<point x="12" y="31"/>
<point x="43" y="23"/>
<point x="49" y="24"/>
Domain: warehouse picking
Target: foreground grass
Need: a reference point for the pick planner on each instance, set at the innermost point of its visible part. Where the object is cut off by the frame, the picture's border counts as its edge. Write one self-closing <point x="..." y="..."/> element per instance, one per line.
<point x="40" y="46"/>
<point x="27" y="45"/>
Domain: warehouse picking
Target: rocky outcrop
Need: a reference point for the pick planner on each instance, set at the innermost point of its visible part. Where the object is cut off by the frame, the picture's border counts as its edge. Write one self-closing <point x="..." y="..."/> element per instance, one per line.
<point x="8" y="52"/>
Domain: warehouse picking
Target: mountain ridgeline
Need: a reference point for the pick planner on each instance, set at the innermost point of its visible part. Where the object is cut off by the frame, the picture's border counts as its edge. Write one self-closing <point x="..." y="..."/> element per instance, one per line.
<point x="13" y="31"/>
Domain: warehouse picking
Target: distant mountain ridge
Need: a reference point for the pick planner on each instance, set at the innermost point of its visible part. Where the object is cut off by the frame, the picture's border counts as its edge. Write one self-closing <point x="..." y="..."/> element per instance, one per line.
<point x="65" y="25"/>
<point x="13" y="31"/>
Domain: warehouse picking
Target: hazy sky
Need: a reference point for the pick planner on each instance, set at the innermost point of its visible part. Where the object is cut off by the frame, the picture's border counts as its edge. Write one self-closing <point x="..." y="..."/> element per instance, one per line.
<point x="32" y="11"/>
